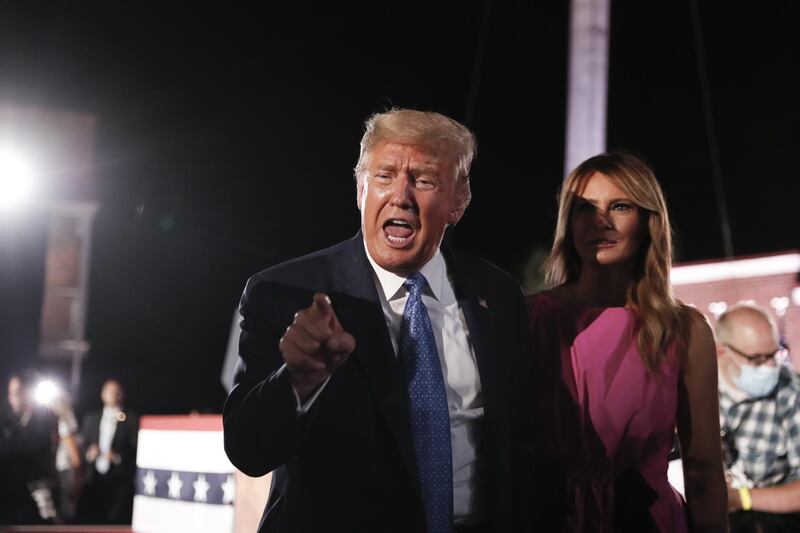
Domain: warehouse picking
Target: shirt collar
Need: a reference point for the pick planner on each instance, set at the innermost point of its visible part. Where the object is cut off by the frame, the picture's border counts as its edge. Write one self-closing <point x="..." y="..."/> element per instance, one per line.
<point x="435" y="271"/>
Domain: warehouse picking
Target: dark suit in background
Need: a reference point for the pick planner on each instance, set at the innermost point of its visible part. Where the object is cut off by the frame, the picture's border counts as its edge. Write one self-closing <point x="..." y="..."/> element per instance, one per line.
<point x="27" y="464"/>
<point x="107" y="498"/>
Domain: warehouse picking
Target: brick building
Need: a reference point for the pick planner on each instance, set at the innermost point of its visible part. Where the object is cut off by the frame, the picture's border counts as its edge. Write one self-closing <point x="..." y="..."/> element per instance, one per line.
<point x="61" y="146"/>
<point x="770" y="281"/>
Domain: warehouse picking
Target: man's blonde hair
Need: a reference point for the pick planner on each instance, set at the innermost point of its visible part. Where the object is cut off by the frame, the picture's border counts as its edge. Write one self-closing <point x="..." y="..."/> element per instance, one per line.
<point x="428" y="130"/>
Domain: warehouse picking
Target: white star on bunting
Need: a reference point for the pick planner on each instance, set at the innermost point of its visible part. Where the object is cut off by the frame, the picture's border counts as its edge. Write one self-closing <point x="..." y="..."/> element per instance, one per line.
<point x="228" y="490"/>
<point x="175" y="485"/>
<point x="150" y="483"/>
<point x="201" y="487"/>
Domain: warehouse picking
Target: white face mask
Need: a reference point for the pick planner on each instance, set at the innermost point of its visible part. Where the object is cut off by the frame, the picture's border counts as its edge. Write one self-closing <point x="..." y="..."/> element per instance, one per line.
<point x="757" y="381"/>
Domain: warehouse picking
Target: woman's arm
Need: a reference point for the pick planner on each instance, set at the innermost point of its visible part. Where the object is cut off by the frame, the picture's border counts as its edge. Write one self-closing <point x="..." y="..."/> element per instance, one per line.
<point x="698" y="431"/>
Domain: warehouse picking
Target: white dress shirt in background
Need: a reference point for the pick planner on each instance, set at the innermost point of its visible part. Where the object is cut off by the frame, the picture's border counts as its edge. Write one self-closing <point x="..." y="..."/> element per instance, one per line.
<point x="108" y="426"/>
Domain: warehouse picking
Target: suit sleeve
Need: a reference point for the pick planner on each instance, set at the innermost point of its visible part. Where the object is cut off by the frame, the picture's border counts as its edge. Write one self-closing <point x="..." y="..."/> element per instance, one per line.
<point x="262" y="428"/>
<point x="128" y="455"/>
<point x="523" y="426"/>
<point x="88" y="436"/>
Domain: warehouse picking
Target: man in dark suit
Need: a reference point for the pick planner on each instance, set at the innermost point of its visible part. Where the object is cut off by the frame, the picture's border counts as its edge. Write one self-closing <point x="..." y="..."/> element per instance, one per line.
<point x="108" y="442"/>
<point x="28" y="433"/>
<point x="379" y="378"/>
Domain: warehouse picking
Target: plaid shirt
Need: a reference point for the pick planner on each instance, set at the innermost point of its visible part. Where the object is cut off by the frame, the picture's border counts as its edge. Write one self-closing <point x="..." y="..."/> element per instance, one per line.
<point x="761" y="436"/>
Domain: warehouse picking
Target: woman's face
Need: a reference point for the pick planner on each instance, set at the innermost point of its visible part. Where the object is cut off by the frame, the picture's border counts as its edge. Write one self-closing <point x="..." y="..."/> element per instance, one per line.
<point x="607" y="227"/>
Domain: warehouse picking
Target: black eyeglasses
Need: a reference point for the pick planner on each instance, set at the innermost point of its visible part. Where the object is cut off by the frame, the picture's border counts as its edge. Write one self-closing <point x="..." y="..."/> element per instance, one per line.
<point x="759" y="358"/>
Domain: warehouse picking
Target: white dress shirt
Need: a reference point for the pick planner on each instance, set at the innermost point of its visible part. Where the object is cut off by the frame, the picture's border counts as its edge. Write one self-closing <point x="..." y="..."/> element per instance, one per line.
<point x="459" y="368"/>
<point x="108" y="426"/>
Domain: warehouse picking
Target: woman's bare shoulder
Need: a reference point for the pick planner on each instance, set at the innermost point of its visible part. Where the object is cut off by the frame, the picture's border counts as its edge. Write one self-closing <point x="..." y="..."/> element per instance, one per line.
<point x="697" y="323"/>
<point x="701" y="345"/>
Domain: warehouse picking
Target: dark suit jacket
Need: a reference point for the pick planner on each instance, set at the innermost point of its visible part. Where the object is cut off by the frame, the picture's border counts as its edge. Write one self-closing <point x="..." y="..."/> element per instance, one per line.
<point x="348" y="465"/>
<point x="27" y="462"/>
<point x="123" y="443"/>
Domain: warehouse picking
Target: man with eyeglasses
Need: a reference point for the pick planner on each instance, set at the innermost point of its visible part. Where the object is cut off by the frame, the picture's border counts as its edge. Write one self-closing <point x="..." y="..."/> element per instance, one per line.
<point x="759" y="402"/>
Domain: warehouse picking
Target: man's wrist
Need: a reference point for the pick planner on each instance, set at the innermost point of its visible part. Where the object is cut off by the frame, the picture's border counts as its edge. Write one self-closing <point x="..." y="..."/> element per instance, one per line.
<point x="305" y="389"/>
<point x="745" y="499"/>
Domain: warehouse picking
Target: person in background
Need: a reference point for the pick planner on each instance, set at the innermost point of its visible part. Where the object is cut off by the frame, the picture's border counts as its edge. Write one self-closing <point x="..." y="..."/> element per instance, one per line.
<point x="618" y="364"/>
<point x="28" y="439"/>
<point x="69" y="465"/>
<point x="759" y="412"/>
<point x="108" y="441"/>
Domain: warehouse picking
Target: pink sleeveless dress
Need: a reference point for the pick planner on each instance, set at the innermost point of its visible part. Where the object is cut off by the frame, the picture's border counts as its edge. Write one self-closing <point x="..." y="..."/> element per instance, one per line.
<point x="605" y="425"/>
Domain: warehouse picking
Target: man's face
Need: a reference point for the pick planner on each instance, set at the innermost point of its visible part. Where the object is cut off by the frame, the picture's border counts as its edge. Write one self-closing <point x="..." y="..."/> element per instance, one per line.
<point x="16" y="395"/>
<point x="750" y="335"/>
<point x="111" y="394"/>
<point x="407" y="198"/>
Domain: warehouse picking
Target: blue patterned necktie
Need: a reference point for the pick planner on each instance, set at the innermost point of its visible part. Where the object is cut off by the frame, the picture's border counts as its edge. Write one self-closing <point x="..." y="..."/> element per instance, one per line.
<point x="430" y="420"/>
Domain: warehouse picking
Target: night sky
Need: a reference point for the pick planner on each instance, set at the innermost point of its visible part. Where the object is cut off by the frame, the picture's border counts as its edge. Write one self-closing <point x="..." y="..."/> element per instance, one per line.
<point x="226" y="141"/>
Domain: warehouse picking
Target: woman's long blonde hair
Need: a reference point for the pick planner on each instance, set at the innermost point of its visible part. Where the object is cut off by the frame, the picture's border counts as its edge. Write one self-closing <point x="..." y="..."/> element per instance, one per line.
<point x="661" y="318"/>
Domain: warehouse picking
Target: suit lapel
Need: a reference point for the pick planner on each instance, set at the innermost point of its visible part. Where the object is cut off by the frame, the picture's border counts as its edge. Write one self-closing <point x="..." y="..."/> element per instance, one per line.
<point x="93" y="428"/>
<point x="361" y="314"/>
<point x="118" y="433"/>
<point x="480" y="323"/>
<point x="481" y="331"/>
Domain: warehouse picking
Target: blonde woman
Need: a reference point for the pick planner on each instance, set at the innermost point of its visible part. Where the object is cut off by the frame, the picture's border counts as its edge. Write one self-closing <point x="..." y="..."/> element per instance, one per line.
<point x="619" y="363"/>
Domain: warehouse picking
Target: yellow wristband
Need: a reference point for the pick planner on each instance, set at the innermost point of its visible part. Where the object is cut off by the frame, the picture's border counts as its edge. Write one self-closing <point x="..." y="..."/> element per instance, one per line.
<point x="745" y="498"/>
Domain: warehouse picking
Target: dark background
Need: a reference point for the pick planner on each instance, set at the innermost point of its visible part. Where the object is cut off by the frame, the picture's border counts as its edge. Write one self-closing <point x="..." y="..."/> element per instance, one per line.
<point x="227" y="137"/>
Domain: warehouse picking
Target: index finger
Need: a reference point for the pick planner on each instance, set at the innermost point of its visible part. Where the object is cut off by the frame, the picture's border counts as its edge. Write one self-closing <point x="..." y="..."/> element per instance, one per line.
<point x="322" y="304"/>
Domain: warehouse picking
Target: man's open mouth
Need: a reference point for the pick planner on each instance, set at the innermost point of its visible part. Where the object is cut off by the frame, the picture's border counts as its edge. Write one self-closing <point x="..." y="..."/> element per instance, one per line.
<point x="398" y="232"/>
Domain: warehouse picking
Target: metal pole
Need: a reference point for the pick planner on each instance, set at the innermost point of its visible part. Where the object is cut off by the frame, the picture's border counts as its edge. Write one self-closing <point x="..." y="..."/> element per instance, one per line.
<point x="713" y="148"/>
<point x="587" y="84"/>
<point x="477" y="65"/>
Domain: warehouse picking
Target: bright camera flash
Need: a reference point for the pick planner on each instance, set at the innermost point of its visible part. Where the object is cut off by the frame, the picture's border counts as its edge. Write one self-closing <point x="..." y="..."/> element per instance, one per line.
<point x="45" y="392"/>
<point x="17" y="178"/>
